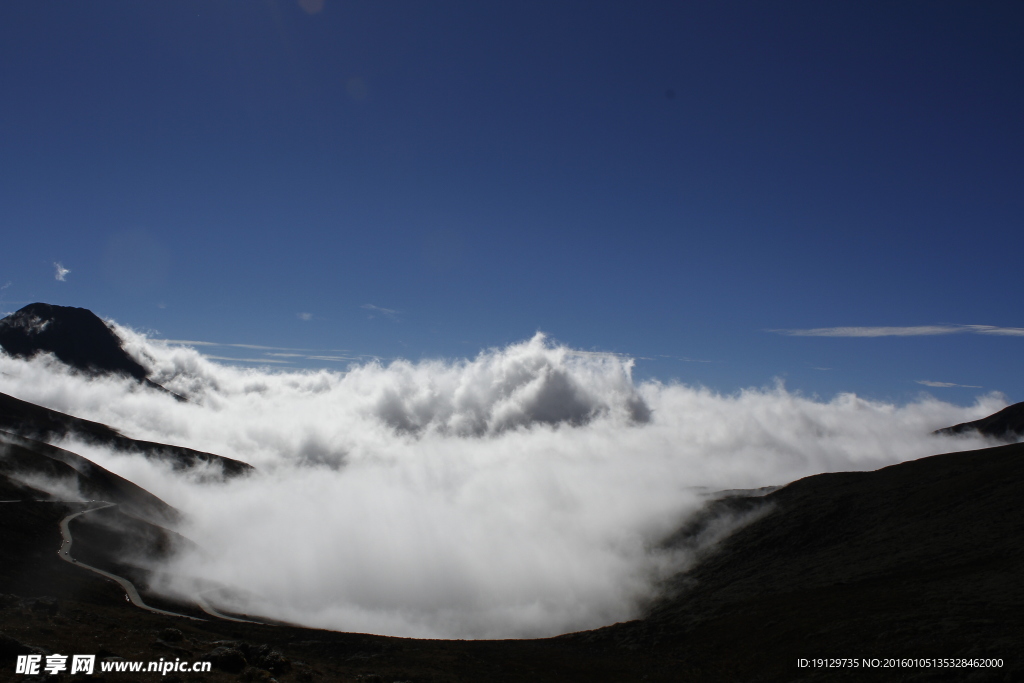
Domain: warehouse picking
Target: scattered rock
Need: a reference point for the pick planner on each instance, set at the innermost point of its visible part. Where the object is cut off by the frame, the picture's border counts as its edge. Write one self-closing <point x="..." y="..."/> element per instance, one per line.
<point x="177" y="649"/>
<point x="11" y="647"/>
<point x="171" y="635"/>
<point x="265" y="657"/>
<point x="46" y="605"/>
<point x="257" y="676"/>
<point x="226" y="659"/>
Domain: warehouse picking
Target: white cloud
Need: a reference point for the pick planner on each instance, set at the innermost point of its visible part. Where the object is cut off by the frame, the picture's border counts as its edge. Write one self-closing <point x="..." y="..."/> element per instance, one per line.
<point x="386" y="312"/>
<point x="304" y="316"/>
<point x="60" y="272"/>
<point x="917" y="331"/>
<point x="1001" y="331"/>
<point x="190" y="342"/>
<point x="519" y="493"/>
<point x="270" y="352"/>
<point x="929" y="383"/>
<point x="248" y="360"/>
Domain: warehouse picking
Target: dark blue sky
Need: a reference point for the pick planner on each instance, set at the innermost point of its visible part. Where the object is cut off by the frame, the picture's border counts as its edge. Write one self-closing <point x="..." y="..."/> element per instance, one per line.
<point x="663" y="179"/>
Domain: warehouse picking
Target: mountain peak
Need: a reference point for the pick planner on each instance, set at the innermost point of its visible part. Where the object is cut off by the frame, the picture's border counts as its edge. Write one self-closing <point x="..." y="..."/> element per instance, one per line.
<point x="1007" y="424"/>
<point x="76" y="336"/>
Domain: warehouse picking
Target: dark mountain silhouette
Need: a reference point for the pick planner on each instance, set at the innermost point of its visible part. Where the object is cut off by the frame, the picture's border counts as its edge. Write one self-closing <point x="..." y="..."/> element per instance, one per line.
<point x="29" y="465"/>
<point x="43" y="424"/>
<point x="76" y="336"/>
<point x="1007" y="424"/>
<point x="920" y="559"/>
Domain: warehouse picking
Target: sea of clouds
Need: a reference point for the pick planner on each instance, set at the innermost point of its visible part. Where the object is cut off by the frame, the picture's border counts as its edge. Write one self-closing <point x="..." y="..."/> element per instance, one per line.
<point x="521" y="493"/>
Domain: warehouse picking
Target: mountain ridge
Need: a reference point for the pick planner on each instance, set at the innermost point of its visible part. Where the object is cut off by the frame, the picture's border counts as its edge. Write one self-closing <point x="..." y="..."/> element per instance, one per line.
<point x="43" y="424"/>
<point x="1007" y="424"/>
<point x="75" y="336"/>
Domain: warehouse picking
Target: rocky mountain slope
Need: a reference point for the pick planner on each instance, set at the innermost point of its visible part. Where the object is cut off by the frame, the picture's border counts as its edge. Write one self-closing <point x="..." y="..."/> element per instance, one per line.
<point x="76" y="336"/>
<point x="43" y="424"/>
<point x="1007" y="424"/>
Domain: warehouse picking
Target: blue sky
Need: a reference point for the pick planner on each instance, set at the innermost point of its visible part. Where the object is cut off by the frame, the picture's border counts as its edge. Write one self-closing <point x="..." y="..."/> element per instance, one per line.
<point x="680" y="182"/>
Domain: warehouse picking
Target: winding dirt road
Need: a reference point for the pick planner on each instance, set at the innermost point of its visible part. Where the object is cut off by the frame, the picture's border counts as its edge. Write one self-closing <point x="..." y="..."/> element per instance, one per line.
<point x="212" y="611"/>
<point x="132" y="595"/>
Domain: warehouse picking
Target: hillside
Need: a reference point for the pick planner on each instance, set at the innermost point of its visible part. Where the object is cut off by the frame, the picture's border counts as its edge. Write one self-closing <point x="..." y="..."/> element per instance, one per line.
<point x="920" y="559"/>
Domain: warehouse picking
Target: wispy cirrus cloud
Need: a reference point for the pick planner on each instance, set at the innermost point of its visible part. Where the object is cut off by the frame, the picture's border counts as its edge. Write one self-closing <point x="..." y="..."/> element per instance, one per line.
<point x="912" y="331"/>
<point x="60" y="272"/>
<point x="304" y="316"/>
<point x="271" y="354"/>
<point x="686" y="359"/>
<point x="193" y="342"/>
<point x="946" y="385"/>
<point x="386" y="312"/>
<point x="248" y="360"/>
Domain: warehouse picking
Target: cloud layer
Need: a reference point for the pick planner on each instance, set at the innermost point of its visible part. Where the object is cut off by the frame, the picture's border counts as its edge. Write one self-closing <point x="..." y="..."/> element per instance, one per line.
<point x="523" y="492"/>
<point x="917" y="331"/>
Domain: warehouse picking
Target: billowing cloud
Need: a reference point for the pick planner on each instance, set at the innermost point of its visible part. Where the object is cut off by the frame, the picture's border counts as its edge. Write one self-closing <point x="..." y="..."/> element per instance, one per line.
<point x="521" y="492"/>
<point x="917" y="331"/>
<point x="60" y="272"/>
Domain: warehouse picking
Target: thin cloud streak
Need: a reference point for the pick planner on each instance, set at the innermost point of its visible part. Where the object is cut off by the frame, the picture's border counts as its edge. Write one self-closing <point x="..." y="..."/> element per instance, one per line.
<point x="192" y="342"/>
<point x="685" y="359"/>
<point x="1002" y="331"/>
<point x="248" y="360"/>
<point x="274" y="352"/>
<point x="386" y="312"/>
<point x="914" y="331"/>
<point x="944" y="385"/>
